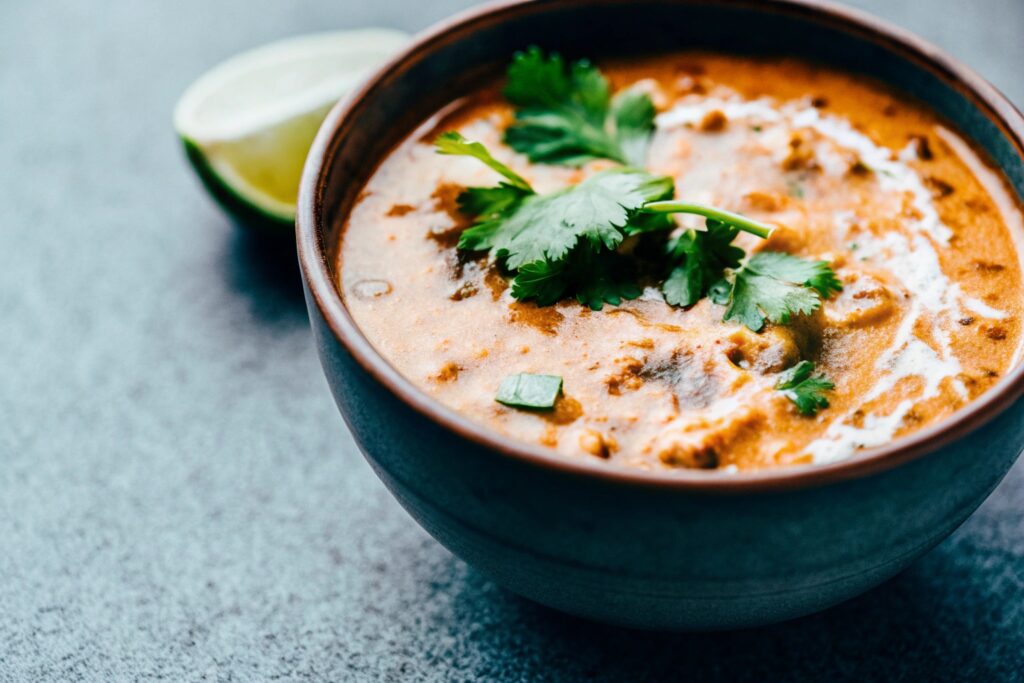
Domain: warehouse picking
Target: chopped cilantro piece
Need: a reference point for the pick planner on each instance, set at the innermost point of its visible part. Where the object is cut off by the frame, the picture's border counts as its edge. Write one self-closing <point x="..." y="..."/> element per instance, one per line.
<point x="806" y="392"/>
<point x="525" y="390"/>
<point x="773" y="286"/>
<point x="565" y="114"/>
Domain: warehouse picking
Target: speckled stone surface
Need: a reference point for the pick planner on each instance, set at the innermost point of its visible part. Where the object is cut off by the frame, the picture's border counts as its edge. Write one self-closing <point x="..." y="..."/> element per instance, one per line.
<point x="179" y="499"/>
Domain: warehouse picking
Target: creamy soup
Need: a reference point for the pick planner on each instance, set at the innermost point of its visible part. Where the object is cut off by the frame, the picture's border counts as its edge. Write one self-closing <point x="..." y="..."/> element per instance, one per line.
<point x="920" y="231"/>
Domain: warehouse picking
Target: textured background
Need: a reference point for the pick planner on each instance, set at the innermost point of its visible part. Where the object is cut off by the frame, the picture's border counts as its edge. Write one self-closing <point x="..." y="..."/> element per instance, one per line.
<point x="179" y="499"/>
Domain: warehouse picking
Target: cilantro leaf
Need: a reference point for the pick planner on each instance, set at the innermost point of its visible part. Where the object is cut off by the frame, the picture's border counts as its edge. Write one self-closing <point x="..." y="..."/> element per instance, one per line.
<point x="773" y="286"/>
<point x="703" y="257"/>
<point x="566" y="114"/>
<point x="756" y="298"/>
<point x="604" y="288"/>
<point x="483" y="202"/>
<point x="547" y="227"/>
<point x="543" y="281"/>
<point x="489" y="201"/>
<point x="700" y="258"/>
<point x="526" y="390"/>
<point x="563" y="242"/>
<point x="596" y="278"/>
<point x="817" y="275"/>
<point x="633" y="112"/>
<point x="806" y="392"/>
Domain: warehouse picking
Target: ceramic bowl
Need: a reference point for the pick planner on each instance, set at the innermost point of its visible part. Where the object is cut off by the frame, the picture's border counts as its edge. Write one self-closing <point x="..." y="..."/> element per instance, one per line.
<point x="660" y="550"/>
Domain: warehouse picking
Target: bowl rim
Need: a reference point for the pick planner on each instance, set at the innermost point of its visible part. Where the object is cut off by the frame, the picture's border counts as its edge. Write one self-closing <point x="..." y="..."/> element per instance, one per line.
<point x="313" y="261"/>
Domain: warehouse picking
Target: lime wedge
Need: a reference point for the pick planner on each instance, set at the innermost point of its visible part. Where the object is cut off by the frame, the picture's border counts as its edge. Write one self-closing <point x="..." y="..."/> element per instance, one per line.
<point x="247" y="124"/>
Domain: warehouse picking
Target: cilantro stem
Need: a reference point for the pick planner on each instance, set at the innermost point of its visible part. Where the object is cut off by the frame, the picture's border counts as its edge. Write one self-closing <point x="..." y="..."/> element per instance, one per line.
<point x="734" y="219"/>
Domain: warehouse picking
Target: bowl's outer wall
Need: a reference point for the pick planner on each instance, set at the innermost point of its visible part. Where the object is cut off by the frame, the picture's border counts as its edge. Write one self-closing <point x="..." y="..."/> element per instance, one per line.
<point x="657" y="557"/>
<point x="635" y="555"/>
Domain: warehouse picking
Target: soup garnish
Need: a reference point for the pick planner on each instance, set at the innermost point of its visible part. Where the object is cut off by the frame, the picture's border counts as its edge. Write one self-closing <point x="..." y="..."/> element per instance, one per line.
<point x="565" y="114"/>
<point x="526" y="390"/>
<point x="565" y="241"/>
<point x="806" y="391"/>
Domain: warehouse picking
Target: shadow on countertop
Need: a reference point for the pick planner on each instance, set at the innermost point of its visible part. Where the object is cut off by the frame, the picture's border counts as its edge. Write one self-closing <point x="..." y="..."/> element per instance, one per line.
<point x="921" y="625"/>
<point x="264" y="268"/>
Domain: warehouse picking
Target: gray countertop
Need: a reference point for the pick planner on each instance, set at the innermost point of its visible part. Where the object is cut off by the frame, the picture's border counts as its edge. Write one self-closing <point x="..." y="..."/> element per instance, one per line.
<point x="179" y="499"/>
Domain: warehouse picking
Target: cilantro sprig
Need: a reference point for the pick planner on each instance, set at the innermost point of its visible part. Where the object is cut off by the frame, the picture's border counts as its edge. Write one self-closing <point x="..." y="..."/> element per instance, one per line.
<point x="565" y="113"/>
<point x="562" y="242"/>
<point x="547" y="227"/>
<point x="768" y="286"/>
<point x="807" y="392"/>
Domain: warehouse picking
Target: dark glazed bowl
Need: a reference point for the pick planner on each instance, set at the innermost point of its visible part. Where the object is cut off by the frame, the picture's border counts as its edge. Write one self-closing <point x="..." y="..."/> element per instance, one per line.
<point x="679" y="550"/>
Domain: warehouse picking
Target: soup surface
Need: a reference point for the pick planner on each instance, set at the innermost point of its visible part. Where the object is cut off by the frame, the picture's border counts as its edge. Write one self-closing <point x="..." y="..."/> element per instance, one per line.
<point x="918" y="229"/>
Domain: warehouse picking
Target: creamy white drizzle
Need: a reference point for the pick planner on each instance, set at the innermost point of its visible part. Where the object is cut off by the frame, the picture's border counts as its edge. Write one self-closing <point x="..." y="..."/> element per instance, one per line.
<point x="892" y="174"/>
<point x="734" y="108"/>
<point x="910" y="255"/>
<point x="981" y="308"/>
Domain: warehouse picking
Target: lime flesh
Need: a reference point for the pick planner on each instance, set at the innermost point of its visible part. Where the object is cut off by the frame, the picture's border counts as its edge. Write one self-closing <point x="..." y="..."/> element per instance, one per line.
<point x="248" y="123"/>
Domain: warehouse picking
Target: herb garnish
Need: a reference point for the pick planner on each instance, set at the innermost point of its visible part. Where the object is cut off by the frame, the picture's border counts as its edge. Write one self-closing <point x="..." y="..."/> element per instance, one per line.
<point x="566" y="114"/>
<point x="596" y="278"/>
<point x="768" y="286"/>
<point x="567" y="242"/>
<point x="773" y="286"/>
<point x="454" y="144"/>
<point x="526" y="390"/>
<point x="702" y="258"/>
<point x="594" y="213"/>
<point x="806" y="392"/>
<point x="563" y="242"/>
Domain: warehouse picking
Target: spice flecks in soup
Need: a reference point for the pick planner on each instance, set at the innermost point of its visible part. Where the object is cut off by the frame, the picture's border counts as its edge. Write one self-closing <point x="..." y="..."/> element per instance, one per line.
<point x="921" y="233"/>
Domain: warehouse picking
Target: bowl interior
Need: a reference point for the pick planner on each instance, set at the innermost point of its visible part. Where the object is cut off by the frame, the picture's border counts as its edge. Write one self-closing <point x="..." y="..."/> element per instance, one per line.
<point x="469" y="50"/>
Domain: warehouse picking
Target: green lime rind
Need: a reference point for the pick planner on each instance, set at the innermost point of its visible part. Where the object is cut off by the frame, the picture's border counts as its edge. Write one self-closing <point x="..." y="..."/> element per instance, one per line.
<point x="240" y="209"/>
